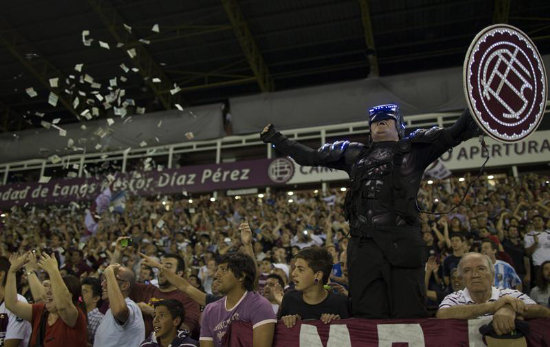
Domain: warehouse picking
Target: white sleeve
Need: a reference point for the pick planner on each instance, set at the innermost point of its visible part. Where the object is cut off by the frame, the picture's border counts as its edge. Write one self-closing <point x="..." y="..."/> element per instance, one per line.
<point x="528" y="240"/>
<point x="18" y="328"/>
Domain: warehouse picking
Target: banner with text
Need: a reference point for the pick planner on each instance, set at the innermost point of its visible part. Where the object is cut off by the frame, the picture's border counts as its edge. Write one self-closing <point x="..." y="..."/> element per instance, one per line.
<point x="397" y="332"/>
<point x="200" y="178"/>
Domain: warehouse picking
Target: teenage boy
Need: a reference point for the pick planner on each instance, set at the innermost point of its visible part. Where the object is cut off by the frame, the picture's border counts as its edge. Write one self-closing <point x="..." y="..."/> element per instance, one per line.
<point x="167" y="318"/>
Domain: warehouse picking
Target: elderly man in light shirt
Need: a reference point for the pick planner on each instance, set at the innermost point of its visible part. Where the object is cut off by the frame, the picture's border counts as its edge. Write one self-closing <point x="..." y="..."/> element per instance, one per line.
<point x="481" y="298"/>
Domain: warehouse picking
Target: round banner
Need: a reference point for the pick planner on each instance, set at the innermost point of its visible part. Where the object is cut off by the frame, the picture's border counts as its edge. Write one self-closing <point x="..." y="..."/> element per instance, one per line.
<point x="505" y="83"/>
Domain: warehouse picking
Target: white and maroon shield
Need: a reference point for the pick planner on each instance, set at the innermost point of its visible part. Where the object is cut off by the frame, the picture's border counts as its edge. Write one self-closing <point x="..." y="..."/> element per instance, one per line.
<point x="505" y="83"/>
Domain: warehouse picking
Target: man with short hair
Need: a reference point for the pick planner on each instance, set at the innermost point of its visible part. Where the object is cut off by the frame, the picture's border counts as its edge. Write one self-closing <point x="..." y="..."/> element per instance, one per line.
<point x="457" y="244"/>
<point x="480" y="298"/>
<point x="169" y="314"/>
<point x="123" y="322"/>
<point x="146" y="295"/>
<point x="537" y="242"/>
<point x="505" y="275"/>
<point x="274" y="290"/>
<point x="91" y="294"/>
<point x="14" y="331"/>
<point x="235" y="277"/>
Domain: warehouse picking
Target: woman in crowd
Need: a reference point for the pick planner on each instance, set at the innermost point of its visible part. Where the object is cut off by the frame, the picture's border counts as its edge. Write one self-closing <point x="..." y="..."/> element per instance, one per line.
<point x="311" y="300"/>
<point x="58" y="322"/>
<point x="541" y="293"/>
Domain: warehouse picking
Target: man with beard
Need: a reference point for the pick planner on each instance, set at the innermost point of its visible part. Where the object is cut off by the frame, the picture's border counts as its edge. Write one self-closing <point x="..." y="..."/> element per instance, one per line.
<point x="146" y="295"/>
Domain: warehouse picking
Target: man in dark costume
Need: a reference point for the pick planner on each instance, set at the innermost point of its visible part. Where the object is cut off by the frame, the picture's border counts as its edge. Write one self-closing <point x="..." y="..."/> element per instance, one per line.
<point x="385" y="252"/>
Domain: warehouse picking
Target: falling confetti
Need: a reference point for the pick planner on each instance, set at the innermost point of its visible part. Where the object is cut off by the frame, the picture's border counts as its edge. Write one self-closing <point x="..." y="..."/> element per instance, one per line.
<point x="155" y="28"/>
<point x="32" y="93"/>
<point x="52" y="99"/>
<point x="54" y="82"/>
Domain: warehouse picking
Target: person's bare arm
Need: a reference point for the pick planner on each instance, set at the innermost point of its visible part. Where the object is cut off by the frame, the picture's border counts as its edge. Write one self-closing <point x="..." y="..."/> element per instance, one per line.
<point x="536" y="311"/>
<point x="12" y="342"/>
<point x="206" y="343"/>
<point x="116" y="299"/>
<point x="63" y="298"/>
<point x="262" y="336"/>
<point x="466" y="311"/>
<point x="37" y="289"/>
<point x="19" y="308"/>
<point x="179" y="282"/>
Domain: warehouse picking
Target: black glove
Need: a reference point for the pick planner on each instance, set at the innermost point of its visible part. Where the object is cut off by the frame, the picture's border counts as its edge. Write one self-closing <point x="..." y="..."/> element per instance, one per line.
<point x="268" y="132"/>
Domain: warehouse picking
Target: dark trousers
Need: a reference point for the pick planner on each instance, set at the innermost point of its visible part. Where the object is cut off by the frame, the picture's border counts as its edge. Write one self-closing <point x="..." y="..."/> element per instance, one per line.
<point x="380" y="290"/>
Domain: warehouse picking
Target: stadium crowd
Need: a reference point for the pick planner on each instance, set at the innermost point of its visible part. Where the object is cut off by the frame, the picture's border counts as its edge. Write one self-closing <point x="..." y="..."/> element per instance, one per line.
<point x="152" y="269"/>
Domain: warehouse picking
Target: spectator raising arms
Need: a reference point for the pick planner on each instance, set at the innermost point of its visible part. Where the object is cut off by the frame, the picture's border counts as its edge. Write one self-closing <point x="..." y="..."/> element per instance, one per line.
<point x="236" y="275"/>
<point x="57" y="322"/>
<point x="14" y="332"/>
<point x="123" y="322"/>
<point x="311" y="300"/>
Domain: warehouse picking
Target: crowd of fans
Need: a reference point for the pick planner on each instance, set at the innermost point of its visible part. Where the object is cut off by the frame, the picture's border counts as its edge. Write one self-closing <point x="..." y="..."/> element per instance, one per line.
<point x="149" y="270"/>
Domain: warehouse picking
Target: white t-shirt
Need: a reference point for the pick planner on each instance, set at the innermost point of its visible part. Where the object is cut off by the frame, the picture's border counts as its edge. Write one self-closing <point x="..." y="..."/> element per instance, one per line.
<point x="13" y="327"/>
<point x="542" y="252"/>
<point x="111" y="333"/>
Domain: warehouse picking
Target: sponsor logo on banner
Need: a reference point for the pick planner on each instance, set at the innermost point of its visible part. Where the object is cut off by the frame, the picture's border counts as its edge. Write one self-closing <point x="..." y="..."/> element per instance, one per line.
<point x="505" y="83"/>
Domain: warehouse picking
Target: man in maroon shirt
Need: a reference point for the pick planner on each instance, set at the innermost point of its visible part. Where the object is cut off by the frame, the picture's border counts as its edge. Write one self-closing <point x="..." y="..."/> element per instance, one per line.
<point x="146" y="295"/>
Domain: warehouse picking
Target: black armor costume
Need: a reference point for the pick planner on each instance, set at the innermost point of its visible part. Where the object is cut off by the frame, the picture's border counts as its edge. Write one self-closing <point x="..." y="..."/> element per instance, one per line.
<point x="385" y="253"/>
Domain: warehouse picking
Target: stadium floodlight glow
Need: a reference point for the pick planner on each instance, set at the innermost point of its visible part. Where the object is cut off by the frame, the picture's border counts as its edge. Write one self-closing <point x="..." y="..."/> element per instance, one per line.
<point x="190" y="201"/>
<point x="290" y="193"/>
<point x="490" y="177"/>
<point x="316" y="191"/>
<point x="343" y="189"/>
<point x="430" y="182"/>
<point x="260" y="195"/>
<point x="436" y="200"/>
<point x="290" y="201"/>
<point x="3" y="215"/>
<point x="212" y="199"/>
<point x="461" y="179"/>
<point x="237" y="197"/>
<point x="164" y="202"/>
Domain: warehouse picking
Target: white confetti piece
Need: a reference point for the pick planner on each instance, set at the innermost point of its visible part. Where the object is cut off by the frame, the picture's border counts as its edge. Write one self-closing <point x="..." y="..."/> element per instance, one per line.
<point x="160" y="224"/>
<point x="52" y="99"/>
<point x="55" y="121"/>
<point x="77" y="67"/>
<point x="127" y="150"/>
<point x="143" y="144"/>
<point x="144" y="41"/>
<point x="95" y="111"/>
<point x="72" y="174"/>
<point x="189" y="135"/>
<point x="157" y="139"/>
<point x="62" y="132"/>
<point x="155" y="28"/>
<point x="45" y="124"/>
<point x="99" y="97"/>
<point x="54" y="82"/>
<point x="123" y="78"/>
<point x="159" y="124"/>
<point x="119" y="45"/>
<point x="85" y="40"/>
<point x="124" y="67"/>
<point x="110" y="121"/>
<point x="98" y="146"/>
<point x="127" y="27"/>
<point x="135" y="69"/>
<point x="81" y="93"/>
<point x="32" y="93"/>
<point x="156" y="80"/>
<point x="70" y="143"/>
<point x="131" y="52"/>
<point x="76" y="101"/>
<point x="44" y="179"/>
<point x="140" y="110"/>
<point x="88" y="78"/>
<point x="96" y="85"/>
<point x="175" y="90"/>
<point x="104" y="45"/>
<point x="55" y="159"/>
<point x="178" y="106"/>
<point x="112" y="82"/>
<point x="39" y="114"/>
<point x="83" y="127"/>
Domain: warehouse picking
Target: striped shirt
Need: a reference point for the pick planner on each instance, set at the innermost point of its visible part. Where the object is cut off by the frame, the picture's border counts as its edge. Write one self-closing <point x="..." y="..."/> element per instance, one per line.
<point x="462" y="297"/>
<point x="94" y="319"/>
<point x="505" y="276"/>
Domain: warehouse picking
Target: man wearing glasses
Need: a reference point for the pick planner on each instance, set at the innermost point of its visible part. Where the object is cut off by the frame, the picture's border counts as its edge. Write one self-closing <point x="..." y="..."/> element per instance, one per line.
<point x="385" y="252"/>
<point x="123" y="323"/>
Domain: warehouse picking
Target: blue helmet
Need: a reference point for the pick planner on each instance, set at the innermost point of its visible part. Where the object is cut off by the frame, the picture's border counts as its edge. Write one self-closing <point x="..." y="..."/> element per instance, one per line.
<point x="388" y="111"/>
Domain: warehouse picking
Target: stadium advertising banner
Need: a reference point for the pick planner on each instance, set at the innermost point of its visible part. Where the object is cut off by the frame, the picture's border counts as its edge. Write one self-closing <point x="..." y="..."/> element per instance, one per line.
<point x="200" y="178"/>
<point x="397" y="332"/>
